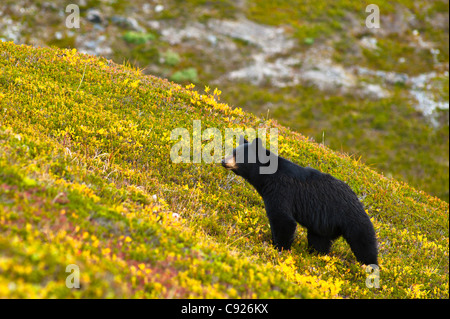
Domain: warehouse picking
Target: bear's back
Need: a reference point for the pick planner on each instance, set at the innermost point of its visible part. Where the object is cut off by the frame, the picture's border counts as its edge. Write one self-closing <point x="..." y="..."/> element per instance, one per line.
<point x="297" y="172"/>
<point x="314" y="184"/>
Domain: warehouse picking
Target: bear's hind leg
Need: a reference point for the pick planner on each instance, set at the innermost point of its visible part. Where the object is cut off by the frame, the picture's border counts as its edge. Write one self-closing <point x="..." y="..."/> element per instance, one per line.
<point x="319" y="243"/>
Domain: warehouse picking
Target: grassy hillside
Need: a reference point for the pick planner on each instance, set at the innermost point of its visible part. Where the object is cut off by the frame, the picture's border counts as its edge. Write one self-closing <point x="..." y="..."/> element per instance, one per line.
<point x="86" y="179"/>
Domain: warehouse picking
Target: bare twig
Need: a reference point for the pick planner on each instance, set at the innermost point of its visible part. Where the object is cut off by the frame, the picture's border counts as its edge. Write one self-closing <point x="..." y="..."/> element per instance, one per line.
<point x="82" y="78"/>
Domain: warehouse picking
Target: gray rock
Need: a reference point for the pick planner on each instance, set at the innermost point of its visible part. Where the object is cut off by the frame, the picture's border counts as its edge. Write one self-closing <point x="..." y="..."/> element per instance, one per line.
<point x="159" y="8"/>
<point x="94" y="16"/>
<point x="127" y="22"/>
<point x="271" y="40"/>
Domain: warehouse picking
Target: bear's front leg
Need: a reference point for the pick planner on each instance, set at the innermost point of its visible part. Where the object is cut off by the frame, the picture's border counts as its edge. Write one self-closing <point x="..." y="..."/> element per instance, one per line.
<point x="283" y="231"/>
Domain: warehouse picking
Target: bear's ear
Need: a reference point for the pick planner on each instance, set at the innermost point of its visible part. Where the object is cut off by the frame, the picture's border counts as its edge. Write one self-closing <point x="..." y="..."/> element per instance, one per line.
<point x="242" y="140"/>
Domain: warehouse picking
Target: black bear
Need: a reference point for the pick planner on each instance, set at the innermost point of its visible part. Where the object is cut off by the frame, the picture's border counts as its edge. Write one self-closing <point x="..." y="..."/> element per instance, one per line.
<point x="292" y="194"/>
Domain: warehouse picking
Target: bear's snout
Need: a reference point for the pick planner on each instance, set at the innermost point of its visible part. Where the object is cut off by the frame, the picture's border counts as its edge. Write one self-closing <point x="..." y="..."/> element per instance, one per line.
<point x="229" y="162"/>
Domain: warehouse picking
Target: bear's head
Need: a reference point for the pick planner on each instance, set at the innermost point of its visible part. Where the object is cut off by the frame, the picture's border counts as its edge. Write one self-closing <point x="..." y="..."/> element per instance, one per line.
<point x="251" y="159"/>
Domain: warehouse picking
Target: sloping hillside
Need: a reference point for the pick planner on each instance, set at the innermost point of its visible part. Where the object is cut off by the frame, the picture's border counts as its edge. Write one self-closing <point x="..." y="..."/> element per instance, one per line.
<point x="86" y="179"/>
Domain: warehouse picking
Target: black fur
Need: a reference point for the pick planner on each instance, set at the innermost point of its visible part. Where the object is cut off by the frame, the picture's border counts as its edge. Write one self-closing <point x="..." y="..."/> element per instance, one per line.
<point x="326" y="206"/>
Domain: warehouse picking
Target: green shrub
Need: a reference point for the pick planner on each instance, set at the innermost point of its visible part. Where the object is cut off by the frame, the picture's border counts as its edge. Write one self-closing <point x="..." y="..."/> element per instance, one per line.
<point x="138" y="37"/>
<point x="171" y="58"/>
<point x="185" y="75"/>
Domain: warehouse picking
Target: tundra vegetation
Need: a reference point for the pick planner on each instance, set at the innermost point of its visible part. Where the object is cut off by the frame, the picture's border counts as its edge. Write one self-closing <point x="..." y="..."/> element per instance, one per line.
<point x="86" y="179"/>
